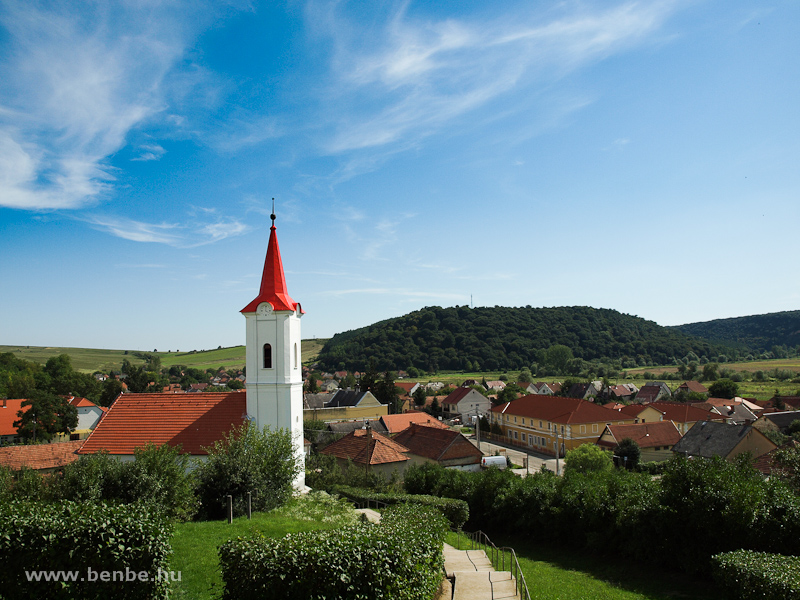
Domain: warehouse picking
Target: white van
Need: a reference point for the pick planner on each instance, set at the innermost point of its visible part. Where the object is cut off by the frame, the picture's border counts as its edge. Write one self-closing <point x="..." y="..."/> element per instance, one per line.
<point x="494" y="461"/>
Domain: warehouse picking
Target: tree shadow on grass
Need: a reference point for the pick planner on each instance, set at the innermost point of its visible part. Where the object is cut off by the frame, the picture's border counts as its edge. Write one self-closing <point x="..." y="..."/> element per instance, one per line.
<point x="650" y="580"/>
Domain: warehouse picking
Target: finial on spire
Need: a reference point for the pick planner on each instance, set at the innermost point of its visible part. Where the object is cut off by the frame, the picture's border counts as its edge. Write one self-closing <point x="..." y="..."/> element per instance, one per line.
<point x="272" y="216"/>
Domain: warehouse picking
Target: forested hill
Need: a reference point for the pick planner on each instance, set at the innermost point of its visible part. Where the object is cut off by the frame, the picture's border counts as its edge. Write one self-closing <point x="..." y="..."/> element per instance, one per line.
<point x="476" y="339"/>
<point x="757" y="333"/>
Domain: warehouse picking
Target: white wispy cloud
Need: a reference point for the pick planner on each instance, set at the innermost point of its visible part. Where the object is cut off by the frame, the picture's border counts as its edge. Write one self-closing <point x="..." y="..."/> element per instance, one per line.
<point x="77" y="79"/>
<point x="150" y="152"/>
<point x="412" y="75"/>
<point x="183" y="235"/>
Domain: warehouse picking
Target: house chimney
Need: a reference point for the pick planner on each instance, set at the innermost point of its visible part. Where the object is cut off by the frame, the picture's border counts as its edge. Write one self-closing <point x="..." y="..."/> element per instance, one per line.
<point x="4" y="403"/>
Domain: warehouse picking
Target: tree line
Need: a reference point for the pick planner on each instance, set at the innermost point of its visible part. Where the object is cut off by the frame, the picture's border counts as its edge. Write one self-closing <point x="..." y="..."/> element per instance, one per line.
<point x="488" y="339"/>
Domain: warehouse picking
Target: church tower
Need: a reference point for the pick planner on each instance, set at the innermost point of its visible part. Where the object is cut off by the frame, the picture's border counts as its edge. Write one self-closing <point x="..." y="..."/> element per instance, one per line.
<point x="274" y="370"/>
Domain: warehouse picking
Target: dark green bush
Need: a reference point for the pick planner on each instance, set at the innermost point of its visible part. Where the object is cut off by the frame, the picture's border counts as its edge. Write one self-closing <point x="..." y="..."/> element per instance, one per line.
<point x="456" y="511"/>
<point x="398" y="559"/>
<point x="748" y="575"/>
<point x="158" y="474"/>
<point x="75" y="537"/>
<point x="247" y="460"/>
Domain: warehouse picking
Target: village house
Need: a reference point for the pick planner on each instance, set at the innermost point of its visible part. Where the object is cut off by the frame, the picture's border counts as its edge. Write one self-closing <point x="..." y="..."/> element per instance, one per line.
<point x="8" y="414"/>
<point x="536" y="422"/>
<point x="776" y="421"/>
<point x="653" y="392"/>
<point x="685" y="415"/>
<point x="655" y="439"/>
<point x="465" y="402"/>
<point x="89" y="415"/>
<point x="45" y="458"/>
<point x="692" y="386"/>
<point x="397" y="423"/>
<point x="444" y="447"/>
<point x="371" y="451"/>
<point x="707" y="439"/>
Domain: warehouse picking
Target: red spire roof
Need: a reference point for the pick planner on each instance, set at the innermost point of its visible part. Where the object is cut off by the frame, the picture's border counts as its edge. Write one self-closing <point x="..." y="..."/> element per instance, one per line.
<point x="273" y="281"/>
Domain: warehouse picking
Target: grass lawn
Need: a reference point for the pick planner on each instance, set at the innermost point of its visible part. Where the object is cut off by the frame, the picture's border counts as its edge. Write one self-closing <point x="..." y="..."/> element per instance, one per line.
<point x="557" y="574"/>
<point x="195" y="544"/>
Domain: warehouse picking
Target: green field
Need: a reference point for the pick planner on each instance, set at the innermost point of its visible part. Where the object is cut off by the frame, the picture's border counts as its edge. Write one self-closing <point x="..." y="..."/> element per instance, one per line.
<point x="89" y="360"/>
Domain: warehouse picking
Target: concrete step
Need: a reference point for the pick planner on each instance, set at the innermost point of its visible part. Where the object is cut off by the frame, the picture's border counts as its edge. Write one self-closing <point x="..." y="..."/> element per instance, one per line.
<point x="472" y="585"/>
<point x="504" y="586"/>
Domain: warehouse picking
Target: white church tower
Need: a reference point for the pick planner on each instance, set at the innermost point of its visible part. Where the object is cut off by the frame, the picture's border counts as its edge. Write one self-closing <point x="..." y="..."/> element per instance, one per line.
<point x="274" y="370"/>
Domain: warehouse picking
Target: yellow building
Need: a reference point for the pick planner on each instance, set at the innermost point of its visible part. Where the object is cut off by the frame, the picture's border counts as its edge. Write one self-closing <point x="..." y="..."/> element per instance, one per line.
<point x="546" y="423"/>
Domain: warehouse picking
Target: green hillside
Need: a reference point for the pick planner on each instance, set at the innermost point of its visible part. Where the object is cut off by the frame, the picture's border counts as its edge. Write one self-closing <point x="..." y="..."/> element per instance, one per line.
<point x="89" y="360"/>
<point x="486" y="339"/>
<point x="773" y="332"/>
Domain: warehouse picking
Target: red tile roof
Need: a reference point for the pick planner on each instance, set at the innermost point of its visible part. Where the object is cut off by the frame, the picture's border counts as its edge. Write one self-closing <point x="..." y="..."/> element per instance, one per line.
<point x="406" y="385"/>
<point x="647" y="435"/>
<point x="194" y="421"/>
<point x="397" y="423"/>
<point x="273" y="281"/>
<point x="362" y="449"/>
<point x="437" y="444"/>
<point x="558" y="410"/>
<point x="8" y="414"/>
<point x="456" y="395"/>
<point x="82" y="403"/>
<point x="40" y="456"/>
<point x="693" y="386"/>
<point x="684" y="413"/>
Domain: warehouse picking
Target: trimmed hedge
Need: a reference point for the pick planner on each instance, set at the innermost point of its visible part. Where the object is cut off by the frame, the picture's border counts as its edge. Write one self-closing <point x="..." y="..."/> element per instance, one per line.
<point x="70" y="537"/>
<point x="399" y="559"/>
<point x="456" y="511"/>
<point x="748" y="575"/>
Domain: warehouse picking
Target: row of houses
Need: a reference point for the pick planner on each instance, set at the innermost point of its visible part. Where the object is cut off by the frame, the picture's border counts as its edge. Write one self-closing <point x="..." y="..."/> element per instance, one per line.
<point x="555" y="425"/>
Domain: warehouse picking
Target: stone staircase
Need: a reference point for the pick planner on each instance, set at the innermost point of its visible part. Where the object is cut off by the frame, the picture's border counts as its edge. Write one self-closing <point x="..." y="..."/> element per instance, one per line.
<point x="474" y="578"/>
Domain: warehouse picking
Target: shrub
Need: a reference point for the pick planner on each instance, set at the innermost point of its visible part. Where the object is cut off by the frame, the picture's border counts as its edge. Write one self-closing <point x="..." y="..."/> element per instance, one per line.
<point x="247" y="460"/>
<point x="588" y="457"/>
<point x="748" y="575"/>
<point x="74" y="537"/>
<point x="158" y="474"/>
<point x="398" y="559"/>
<point x="456" y="511"/>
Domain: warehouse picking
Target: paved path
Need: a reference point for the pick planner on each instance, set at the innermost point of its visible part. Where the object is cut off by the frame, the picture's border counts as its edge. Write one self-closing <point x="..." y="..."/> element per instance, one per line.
<point x="474" y="578"/>
<point x="518" y="456"/>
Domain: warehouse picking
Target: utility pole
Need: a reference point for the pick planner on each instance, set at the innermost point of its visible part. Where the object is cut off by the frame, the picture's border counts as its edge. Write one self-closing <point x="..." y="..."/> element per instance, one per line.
<point x="558" y="453"/>
<point x="478" y="427"/>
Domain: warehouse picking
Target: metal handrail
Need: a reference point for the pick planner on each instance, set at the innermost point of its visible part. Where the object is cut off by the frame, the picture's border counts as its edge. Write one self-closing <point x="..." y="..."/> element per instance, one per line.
<point x="497" y="556"/>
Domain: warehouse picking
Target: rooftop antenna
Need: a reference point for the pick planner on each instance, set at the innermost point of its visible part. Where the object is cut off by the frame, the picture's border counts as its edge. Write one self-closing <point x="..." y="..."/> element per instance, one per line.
<point x="471" y="305"/>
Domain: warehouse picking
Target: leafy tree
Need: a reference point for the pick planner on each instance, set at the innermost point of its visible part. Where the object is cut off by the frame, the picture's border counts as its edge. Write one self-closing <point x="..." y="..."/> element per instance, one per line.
<point x="138" y="379"/>
<point x="235" y="384"/>
<point x="628" y="452"/>
<point x="710" y="371"/>
<point x="587" y="458"/>
<point x="47" y="416"/>
<point x="420" y="396"/>
<point x="112" y="388"/>
<point x="247" y="460"/>
<point x="525" y="375"/>
<point x="794" y="427"/>
<point x="723" y="388"/>
<point x="369" y="379"/>
<point x="386" y="393"/>
<point x="558" y="357"/>
<point x="312" y="387"/>
<point x="508" y="393"/>
<point x="435" y="410"/>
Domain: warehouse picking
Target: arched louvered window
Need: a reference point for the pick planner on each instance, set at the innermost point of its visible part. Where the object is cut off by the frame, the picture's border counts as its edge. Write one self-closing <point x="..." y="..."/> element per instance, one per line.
<point x="295" y="356"/>
<point x="267" y="356"/>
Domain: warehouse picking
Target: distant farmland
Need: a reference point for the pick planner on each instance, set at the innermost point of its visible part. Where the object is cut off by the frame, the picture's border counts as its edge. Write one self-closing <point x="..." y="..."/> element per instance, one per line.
<point x="89" y="360"/>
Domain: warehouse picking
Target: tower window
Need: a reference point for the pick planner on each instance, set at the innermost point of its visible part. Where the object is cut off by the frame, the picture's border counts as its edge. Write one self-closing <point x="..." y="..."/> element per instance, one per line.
<point x="267" y="356"/>
<point x="295" y="356"/>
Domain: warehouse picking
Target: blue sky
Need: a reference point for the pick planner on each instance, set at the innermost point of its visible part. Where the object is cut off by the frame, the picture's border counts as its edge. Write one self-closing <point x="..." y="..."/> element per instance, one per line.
<point x="640" y="156"/>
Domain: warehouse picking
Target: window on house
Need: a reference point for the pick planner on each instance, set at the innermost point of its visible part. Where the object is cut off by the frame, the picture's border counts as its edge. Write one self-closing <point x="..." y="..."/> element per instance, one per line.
<point x="523" y="420"/>
<point x="267" y="356"/>
<point x="515" y="419"/>
<point x="515" y="435"/>
<point x="583" y="428"/>
<point x="594" y="427"/>
<point x="509" y="435"/>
